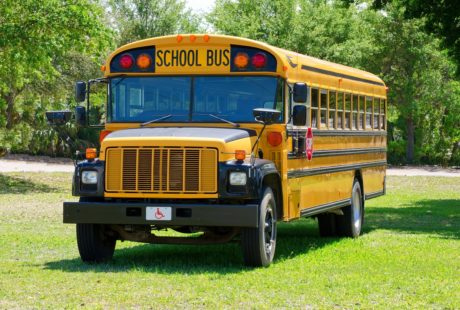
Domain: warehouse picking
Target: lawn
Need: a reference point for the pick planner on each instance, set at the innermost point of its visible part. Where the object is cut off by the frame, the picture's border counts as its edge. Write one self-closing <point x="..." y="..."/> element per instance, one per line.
<point x="408" y="257"/>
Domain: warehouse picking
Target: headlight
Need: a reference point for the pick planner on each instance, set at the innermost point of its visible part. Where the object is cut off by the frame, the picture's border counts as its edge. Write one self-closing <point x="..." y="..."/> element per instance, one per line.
<point x="89" y="177"/>
<point x="238" y="178"/>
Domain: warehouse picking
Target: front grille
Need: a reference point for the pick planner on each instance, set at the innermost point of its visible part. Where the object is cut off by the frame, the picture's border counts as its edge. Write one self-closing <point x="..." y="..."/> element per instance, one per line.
<point x="161" y="170"/>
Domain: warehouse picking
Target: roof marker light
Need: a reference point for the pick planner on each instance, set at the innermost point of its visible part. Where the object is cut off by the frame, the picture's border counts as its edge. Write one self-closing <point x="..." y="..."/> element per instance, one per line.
<point x="206" y="38"/>
<point x="179" y="38"/>
<point x="192" y="38"/>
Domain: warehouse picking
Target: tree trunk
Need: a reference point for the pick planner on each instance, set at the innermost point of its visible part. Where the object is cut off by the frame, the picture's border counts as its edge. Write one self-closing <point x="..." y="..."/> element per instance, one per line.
<point x="410" y="140"/>
<point x="9" y="98"/>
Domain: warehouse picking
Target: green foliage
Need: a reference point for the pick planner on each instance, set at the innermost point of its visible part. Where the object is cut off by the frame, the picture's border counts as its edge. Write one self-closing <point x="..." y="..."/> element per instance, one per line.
<point x="44" y="46"/>
<point x="141" y="19"/>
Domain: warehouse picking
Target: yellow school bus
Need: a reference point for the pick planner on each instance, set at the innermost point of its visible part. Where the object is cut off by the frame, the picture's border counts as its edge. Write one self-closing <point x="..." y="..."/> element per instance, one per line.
<point x="219" y="138"/>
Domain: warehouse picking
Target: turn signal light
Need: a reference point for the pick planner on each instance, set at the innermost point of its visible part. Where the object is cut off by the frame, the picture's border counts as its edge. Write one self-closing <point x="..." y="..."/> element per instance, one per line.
<point x="143" y="61"/>
<point x="91" y="153"/>
<point x="240" y="154"/>
<point x="103" y="134"/>
<point x="126" y="61"/>
<point x="241" y="60"/>
<point x="274" y="138"/>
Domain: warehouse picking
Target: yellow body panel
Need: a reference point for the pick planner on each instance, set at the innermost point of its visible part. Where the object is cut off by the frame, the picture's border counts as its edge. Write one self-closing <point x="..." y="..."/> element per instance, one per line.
<point x="298" y="193"/>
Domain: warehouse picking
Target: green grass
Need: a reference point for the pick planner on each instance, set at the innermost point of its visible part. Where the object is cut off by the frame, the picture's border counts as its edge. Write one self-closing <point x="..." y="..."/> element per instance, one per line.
<point x="408" y="257"/>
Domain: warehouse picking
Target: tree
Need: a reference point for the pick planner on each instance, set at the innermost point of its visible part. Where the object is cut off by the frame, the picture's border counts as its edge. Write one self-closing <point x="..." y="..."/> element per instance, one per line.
<point x="141" y="19"/>
<point x="416" y="70"/>
<point x="35" y="34"/>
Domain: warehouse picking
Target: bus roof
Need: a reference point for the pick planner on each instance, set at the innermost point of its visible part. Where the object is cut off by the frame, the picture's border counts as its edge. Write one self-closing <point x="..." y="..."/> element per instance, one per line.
<point x="293" y="66"/>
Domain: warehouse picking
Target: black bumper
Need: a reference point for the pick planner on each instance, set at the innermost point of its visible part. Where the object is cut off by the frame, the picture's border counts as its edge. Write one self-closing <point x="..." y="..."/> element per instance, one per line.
<point x="182" y="214"/>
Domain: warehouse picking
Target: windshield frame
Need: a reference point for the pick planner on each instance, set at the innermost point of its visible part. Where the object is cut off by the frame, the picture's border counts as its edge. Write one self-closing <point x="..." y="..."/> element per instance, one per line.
<point x="280" y="87"/>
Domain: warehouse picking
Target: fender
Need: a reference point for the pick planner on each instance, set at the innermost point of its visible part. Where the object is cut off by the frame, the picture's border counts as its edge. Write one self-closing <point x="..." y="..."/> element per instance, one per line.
<point x="256" y="170"/>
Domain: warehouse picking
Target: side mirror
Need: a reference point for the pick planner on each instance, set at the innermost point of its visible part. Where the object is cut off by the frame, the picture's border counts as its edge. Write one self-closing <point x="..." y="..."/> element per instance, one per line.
<point x="57" y="118"/>
<point x="80" y="116"/>
<point x="266" y="116"/>
<point x="300" y="93"/>
<point x="80" y="91"/>
<point x="299" y="115"/>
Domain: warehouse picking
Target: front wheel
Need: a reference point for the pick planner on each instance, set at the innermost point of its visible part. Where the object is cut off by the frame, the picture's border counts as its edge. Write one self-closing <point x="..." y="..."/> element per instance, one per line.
<point x="95" y="244"/>
<point x="258" y="244"/>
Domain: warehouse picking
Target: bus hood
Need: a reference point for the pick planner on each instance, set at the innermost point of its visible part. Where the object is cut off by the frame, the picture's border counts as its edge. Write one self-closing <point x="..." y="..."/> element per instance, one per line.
<point x="226" y="140"/>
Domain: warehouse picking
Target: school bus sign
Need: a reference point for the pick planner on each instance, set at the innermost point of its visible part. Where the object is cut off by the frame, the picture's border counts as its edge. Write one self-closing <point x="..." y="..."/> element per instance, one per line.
<point x="215" y="134"/>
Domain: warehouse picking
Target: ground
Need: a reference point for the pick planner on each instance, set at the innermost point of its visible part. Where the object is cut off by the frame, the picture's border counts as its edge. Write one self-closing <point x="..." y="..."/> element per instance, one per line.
<point x="408" y="257"/>
<point x="26" y="163"/>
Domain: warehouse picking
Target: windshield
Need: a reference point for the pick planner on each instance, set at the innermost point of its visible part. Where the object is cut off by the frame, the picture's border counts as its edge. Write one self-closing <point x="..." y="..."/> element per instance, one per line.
<point x="195" y="99"/>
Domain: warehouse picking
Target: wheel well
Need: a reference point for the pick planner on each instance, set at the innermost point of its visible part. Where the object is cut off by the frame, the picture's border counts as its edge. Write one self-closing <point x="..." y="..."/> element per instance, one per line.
<point x="273" y="181"/>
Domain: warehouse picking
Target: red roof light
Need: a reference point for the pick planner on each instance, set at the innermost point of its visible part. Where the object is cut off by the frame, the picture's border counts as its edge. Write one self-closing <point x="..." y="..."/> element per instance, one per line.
<point x="259" y="60"/>
<point x="126" y="61"/>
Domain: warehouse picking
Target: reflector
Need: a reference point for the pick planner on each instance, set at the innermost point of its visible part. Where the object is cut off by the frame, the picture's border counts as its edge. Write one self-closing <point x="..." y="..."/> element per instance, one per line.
<point x="274" y="138"/>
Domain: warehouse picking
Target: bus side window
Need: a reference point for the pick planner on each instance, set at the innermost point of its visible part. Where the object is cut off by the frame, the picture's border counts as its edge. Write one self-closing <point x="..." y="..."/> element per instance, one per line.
<point x="347" y="111"/>
<point x="340" y="110"/>
<point x="375" y="113"/>
<point x="332" y="109"/>
<point x="368" y="112"/>
<point x="314" y="107"/>
<point x="362" y="114"/>
<point x="355" y="106"/>
<point x="382" y="113"/>
<point x="323" y="108"/>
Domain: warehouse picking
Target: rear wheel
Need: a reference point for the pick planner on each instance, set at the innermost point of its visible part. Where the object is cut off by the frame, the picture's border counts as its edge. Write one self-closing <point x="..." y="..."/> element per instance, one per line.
<point x="258" y="244"/>
<point x="327" y="225"/>
<point x="95" y="243"/>
<point x="350" y="223"/>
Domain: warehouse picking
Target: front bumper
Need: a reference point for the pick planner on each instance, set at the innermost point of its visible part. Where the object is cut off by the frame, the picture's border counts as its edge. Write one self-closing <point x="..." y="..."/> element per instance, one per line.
<point x="182" y="214"/>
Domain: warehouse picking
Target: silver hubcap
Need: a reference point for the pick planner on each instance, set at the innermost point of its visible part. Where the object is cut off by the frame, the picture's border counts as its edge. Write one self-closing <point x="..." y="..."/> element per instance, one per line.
<point x="357" y="208"/>
<point x="269" y="230"/>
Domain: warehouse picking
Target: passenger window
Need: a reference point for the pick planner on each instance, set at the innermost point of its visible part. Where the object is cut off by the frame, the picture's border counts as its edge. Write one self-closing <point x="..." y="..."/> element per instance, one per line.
<point x="361" y="115"/>
<point x="340" y="110"/>
<point x="355" y="105"/>
<point x="382" y="113"/>
<point x="368" y="112"/>
<point x="323" y="108"/>
<point x="332" y="109"/>
<point x="314" y="107"/>
<point x="347" y="111"/>
<point x="375" y="112"/>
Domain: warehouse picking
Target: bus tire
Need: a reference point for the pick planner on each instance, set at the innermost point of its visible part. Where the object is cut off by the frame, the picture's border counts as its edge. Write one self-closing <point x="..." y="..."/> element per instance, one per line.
<point x="327" y="225"/>
<point x="94" y="245"/>
<point x="259" y="244"/>
<point x="350" y="223"/>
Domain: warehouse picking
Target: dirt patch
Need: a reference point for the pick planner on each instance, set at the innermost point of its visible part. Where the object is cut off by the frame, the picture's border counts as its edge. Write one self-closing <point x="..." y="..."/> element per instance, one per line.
<point x="27" y="163"/>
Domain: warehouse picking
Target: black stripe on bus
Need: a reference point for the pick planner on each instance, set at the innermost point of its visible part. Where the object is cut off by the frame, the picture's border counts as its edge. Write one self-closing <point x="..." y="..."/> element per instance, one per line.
<point x="324" y="170"/>
<point x="329" y="153"/>
<point x="341" y="75"/>
<point x="330" y="133"/>
<point x="325" y="207"/>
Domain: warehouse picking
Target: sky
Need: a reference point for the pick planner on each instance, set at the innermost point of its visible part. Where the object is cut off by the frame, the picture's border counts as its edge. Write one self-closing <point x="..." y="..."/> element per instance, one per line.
<point x="200" y="5"/>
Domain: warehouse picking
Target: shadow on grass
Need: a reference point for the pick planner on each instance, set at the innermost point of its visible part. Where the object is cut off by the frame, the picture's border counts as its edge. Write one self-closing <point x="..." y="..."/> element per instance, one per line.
<point x="17" y="185"/>
<point x="439" y="217"/>
<point x="293" y="239"/>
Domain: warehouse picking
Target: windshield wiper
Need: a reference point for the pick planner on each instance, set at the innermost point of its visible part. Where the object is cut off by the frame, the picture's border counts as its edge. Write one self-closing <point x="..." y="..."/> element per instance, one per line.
<point x="224" y="120"/>
<point x="156" y="120"/>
